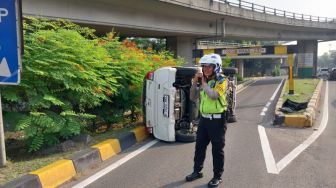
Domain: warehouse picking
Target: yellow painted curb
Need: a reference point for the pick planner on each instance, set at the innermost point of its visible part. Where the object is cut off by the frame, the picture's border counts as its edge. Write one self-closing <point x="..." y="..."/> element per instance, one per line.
<point x="140" y="133"/>
<point x="56" y="173"/>
<point x="308" y="117"/>
<point x="108" y="148"/>
<point x="297" y="121"/>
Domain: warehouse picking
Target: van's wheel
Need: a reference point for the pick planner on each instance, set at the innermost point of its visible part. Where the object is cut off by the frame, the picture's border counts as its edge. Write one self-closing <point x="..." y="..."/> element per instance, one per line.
<point x="184" y="135"/>
<point x="231" y="119"/>
<point x="186" y="71"/>
<point x="230" y="71"/>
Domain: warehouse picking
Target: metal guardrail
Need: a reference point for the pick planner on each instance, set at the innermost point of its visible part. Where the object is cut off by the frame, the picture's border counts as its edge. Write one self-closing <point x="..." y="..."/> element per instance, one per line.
<point x="277" y="12"/>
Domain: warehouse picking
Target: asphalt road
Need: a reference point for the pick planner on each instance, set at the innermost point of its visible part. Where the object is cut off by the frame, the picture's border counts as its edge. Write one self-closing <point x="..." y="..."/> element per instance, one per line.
<point x="166" y="164"/>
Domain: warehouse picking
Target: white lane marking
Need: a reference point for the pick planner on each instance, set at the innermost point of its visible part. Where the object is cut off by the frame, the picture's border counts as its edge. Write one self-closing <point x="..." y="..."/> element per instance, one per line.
<point x="268" y="155"/>
<point x="299" y="149"/>
<point x="264" y="110"/>
<point x="265" y="146"/>
<point x="268" y="103"/>
<point x="276" y="91"/>
<point x="113" y="166"/>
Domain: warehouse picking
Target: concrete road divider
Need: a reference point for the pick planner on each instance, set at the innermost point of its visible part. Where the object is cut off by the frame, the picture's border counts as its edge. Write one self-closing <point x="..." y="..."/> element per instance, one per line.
<point x="56" y="173"/>
<point x="140" y="133"/>
<point x="108" y="148"/>
<point x="305" y="119"/>
<point x="61" y="171"/>
<point x="126" y="140"/>
<point x="26" y="181"/>
<point x="85" y="159"/>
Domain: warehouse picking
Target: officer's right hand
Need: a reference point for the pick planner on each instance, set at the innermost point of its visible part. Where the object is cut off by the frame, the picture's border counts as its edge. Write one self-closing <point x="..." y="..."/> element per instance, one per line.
<point x="197" y="76"/>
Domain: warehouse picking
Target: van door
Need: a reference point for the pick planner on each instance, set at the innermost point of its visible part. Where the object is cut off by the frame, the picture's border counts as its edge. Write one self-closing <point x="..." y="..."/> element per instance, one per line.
<point x="164" y="119"/>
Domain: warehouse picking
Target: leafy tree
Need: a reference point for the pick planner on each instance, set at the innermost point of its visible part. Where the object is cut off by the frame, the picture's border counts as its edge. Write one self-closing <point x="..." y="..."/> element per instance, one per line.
<point x="324" y="60"/>
<point x="63" y="75"/>
<point x="156" y="44"/>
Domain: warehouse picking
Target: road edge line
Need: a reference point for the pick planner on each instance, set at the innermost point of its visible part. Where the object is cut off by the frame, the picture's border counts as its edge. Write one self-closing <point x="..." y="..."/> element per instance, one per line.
<point x="113" y="166"/>
<point x="299" y="149"/>
<point x="268" y="155"/>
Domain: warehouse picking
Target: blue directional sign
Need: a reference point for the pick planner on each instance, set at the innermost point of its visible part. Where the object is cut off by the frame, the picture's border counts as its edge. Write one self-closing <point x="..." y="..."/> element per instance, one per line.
<point x="9" y="43"/>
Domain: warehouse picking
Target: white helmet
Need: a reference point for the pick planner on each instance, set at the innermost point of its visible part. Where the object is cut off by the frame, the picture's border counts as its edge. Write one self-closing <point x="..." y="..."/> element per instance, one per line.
<point x="213" y="59"/>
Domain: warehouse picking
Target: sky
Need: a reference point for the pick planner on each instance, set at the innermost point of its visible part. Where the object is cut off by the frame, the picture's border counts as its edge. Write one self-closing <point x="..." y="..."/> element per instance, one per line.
<point x="322" y="8"/>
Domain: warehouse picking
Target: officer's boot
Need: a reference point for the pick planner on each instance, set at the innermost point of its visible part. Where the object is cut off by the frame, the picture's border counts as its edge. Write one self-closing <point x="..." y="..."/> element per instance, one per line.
<point x="193" y="176"/>
<point x="214" y="182"/>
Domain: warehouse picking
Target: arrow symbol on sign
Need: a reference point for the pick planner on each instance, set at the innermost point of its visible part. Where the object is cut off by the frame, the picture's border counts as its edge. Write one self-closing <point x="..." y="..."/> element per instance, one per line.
<point x="4" y="69"/>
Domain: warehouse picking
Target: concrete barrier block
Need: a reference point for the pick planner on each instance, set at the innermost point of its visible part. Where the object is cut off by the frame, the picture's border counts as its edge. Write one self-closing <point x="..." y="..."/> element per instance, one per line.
<point x="312" y="114"/>
<point x="309" y="120"/>
<point x="56" y="173"/>
<point x="108" y="148"/>
<point x="140" y="133"/>
<point x="295" y="120"/>
<point x="26" y="181"/>
<point x="311" y="105"/>
<point x="126" y="140"/>
<point x="85" y="159"/>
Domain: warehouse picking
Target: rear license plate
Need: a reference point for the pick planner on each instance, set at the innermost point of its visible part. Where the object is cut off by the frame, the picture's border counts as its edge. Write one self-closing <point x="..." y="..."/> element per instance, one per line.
<point x="166" y="106"/>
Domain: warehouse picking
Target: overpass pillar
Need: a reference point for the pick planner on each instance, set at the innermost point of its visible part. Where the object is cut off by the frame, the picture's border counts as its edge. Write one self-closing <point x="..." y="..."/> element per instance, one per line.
<point x="307" y="58"/>
<point x="183" y="47"/>
<point x="240" y="66"/>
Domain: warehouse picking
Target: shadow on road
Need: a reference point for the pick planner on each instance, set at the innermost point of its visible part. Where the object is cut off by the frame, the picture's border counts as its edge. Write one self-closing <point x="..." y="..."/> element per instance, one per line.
<point x="181" y="183"/>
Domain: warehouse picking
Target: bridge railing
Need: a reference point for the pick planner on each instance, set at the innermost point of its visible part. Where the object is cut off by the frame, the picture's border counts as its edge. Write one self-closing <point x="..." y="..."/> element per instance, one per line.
<point x="276" y="12"/>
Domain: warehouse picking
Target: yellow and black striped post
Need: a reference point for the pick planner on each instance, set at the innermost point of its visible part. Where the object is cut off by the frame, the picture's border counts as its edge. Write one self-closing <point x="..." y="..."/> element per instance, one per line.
<point x="290" y="60"/>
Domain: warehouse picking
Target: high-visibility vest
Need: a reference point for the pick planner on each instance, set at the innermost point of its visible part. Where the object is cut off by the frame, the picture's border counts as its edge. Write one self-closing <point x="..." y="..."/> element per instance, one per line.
<point x="217" y="106"/>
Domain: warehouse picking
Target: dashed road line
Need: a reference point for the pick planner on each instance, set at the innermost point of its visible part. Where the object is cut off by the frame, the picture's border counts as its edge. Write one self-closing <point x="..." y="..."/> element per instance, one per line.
<point x="269" y="102"/>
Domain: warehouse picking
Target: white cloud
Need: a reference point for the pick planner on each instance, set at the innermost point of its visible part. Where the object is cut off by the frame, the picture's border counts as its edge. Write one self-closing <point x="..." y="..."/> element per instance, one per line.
<point x="322" y="8"/>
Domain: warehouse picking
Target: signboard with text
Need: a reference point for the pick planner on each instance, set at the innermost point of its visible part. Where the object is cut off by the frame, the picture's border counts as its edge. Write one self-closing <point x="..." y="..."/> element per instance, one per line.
<point x="9" y="42"/>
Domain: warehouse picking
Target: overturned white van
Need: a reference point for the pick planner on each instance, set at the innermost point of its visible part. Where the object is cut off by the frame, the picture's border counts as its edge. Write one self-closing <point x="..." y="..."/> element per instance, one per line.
<point x="169" y="114"/>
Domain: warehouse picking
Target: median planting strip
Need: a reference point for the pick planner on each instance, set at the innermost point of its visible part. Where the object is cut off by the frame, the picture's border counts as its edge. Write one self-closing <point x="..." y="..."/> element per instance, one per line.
<point x="64" y="170"/>
<point x="305" y="119"/>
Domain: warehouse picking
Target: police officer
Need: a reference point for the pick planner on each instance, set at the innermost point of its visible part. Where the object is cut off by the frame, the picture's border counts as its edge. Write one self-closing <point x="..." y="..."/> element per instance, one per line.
<point x="212" y="125"/>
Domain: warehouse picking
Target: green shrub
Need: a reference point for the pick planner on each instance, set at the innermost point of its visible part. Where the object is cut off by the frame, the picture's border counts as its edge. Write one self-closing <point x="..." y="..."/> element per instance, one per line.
<point x="70" y="78"/>
<point x="276" y="70"/>
<point x="64" y="74"/>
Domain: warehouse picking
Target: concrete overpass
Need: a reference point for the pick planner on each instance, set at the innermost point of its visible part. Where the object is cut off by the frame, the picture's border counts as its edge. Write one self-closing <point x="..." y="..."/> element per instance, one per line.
<point x="183" y="22"/>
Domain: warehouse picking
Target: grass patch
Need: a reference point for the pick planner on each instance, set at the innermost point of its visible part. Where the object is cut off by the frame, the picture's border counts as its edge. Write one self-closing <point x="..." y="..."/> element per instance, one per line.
<point x="20" y="162"/>
<point x="303" y="90"/>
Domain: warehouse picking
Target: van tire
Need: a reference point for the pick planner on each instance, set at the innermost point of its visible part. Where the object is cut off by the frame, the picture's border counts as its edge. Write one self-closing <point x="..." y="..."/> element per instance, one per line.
<point x="184" y="71"/>
<point x="185" y="136"/>
<point x="230" y="71"/>
<point x="231" y="119"/>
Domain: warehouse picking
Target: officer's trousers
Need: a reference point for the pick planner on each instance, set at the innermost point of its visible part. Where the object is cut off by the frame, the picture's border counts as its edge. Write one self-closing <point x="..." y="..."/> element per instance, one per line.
<point x="211" y="130"/>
